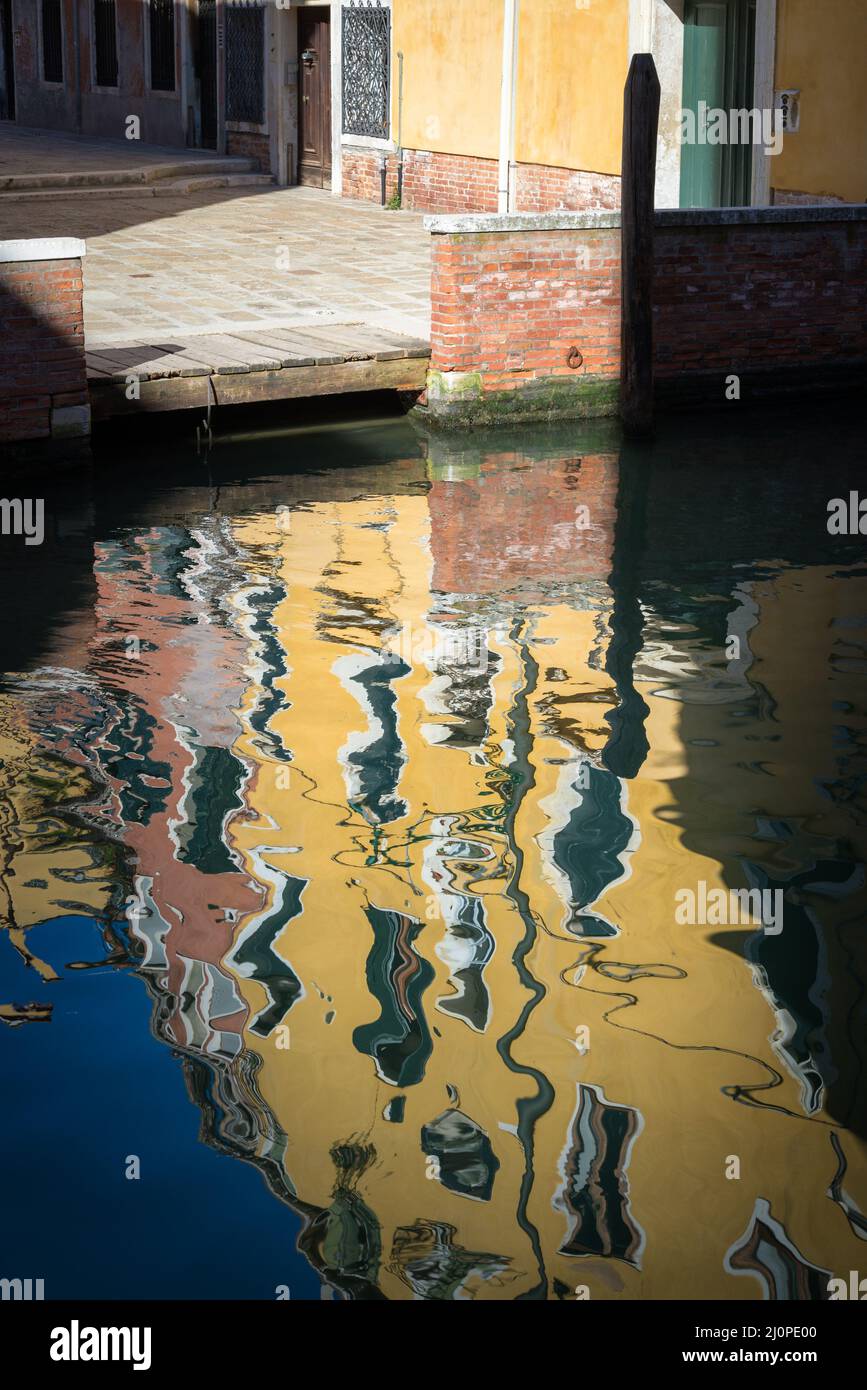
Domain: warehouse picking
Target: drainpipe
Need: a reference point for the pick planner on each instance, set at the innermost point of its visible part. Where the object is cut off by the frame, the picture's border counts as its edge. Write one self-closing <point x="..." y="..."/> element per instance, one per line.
<point x="76" y="61"/>
<point x="399" y="128"/>
<point x="507" y="103"/>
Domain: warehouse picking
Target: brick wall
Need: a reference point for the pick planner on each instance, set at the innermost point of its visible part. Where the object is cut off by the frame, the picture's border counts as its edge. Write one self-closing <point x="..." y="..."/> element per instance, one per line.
<point x="540" y="188"/>
<point x="361" y="177"/>
<point x="532" y="313"/>
<point x="444" y="183"/>
<point x="43" y="384"/>
<point x="250" y="145"/>
<point x="449" y="182"/>
<point x="775" y="296"/>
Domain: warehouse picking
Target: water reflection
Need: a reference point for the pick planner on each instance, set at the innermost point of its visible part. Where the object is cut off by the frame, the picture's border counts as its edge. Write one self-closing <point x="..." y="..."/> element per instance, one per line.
<point x="382" y="778"/>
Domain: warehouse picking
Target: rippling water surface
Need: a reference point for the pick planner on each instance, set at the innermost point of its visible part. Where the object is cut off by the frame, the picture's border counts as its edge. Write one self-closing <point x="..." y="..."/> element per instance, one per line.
<point x="351" y="785"/>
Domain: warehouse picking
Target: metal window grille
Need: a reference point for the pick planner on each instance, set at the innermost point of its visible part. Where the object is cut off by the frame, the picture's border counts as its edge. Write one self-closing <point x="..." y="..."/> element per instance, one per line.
<point x="52" y="41"/>
<point x="366" y="68"/>
<point x="245" y="74"/>
<point x="105" y="42"/>
<point x="162" y="40"/>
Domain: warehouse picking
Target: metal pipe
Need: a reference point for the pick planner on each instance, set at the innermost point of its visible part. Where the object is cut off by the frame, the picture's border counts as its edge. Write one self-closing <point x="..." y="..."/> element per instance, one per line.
<point x="399" y="126"/>
<point x="76" y="59"/>
<point x="507" y="102"/>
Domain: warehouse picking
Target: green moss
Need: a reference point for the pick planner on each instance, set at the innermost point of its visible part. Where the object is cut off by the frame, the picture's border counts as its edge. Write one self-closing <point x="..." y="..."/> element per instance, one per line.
<point x="458" y="401"/>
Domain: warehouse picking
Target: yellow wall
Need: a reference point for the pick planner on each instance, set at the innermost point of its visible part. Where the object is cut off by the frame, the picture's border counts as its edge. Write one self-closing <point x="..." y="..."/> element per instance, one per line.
<point x="572" y="65"/>
<point x="821" y="51"/>
<point x="452" y="67"/>
<point x="571" y="70"/>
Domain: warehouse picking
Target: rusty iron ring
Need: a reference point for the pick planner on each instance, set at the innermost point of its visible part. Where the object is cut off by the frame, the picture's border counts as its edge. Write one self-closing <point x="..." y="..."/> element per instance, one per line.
<point x="574" y="358"/>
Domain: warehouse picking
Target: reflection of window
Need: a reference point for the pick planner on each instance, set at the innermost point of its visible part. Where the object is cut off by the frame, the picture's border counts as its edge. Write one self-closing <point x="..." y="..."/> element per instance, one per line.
<point x="162" y="45"/>
<point x="366" y="48"/>
<point x="105" y="42"/>
<point x="52" y="41"/>
<point x="245" y="83"/>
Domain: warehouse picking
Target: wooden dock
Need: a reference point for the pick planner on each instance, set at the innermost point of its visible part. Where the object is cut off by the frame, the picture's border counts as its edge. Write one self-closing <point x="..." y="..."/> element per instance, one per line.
<point x="267" y="364"/>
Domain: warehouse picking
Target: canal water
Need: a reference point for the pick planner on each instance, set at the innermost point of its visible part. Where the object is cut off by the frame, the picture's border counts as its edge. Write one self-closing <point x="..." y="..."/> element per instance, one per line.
<point x="377" y="815"/>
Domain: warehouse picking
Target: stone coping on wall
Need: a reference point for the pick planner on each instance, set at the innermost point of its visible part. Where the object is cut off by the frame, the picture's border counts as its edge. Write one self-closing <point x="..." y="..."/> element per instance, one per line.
<point x="486" y="222"/>
<point x="444" y="223"/>
<point x="54" y="248"/>
<point x="753" y="217"/>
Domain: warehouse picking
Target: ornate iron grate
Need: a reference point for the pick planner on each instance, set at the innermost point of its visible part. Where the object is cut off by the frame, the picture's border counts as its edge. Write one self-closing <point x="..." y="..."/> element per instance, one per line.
<point x="245" y="55"/>
<point x="366" y="68"/>
<point x="52" y="41"/>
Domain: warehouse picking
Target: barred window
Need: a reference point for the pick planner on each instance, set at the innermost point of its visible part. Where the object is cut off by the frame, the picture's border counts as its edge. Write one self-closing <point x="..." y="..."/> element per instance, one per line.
<point x="366" y="68"/>
<point x="245" y="77"/>
<point x="52" y="41"/>
<point x="105" y="42"/>
<point x="162" y="44"/>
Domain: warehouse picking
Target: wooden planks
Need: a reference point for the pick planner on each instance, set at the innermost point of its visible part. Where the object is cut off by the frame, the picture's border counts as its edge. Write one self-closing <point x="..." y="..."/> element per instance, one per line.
<point x="272" y="363"/>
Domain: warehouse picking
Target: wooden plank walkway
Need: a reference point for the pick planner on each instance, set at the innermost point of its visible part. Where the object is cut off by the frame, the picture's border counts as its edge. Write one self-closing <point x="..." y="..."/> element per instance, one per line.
<point x="266" y="364"/>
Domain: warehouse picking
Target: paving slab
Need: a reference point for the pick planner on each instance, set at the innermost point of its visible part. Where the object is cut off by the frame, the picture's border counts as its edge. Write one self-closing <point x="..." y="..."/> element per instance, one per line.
<point x="230" y="260"/>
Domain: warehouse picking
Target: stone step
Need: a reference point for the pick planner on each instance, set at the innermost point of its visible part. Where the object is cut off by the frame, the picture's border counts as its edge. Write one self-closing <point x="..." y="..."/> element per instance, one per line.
<point x="118" y="178"/>
<point x="163" y="188"/>
<point x="201" y="181"/>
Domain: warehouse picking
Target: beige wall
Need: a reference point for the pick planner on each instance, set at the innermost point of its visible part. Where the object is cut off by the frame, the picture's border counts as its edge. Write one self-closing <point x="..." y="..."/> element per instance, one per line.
<point x="452" y="66"/>
<point x="572" y="63"/>
<point x="572" y="66"/>
<point x="821" y="50"/>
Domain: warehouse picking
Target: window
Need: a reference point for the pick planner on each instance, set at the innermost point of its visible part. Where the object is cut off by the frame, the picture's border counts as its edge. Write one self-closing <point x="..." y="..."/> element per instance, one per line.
<point x="161" y="16"/>
<point x="366" y="74"/>
<point x="105" y="42"/>
<point x="245" y="78"/>
<point x="52" y="41"/>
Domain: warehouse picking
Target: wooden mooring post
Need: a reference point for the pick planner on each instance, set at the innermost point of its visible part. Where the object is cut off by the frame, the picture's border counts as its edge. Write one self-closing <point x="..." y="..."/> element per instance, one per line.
<point x="640" y="128"/>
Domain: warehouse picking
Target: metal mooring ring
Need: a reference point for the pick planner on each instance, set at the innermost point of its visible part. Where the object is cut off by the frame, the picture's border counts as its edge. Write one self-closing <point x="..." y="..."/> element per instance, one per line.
<point x="574" y="358"/>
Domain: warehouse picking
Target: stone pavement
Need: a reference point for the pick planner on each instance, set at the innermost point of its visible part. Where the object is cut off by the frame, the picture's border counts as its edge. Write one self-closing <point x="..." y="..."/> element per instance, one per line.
<point x="25" y="152"/>
<point x="218" y="260"/>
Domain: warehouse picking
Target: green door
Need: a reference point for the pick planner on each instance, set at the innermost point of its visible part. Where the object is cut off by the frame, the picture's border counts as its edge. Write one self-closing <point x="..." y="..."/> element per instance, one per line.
<point x="718" y="63"/>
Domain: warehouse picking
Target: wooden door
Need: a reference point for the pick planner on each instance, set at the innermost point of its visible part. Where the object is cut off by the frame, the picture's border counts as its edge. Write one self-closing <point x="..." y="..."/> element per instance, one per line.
<point x="314" y="106"/>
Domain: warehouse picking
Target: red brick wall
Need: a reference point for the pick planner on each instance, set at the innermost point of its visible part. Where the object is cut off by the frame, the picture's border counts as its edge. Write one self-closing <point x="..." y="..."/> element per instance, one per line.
<point x="42" y="365"/>
<point x="541" y="188"/>
<point x="435" y="182"/>
<point x="361" y="177"/>
<point x="770" y="300"/>
<point x="769" y="295"/>
<point x="250" y="145"/>
<point x="512" y="305"/>
<point x="449" y="182"/>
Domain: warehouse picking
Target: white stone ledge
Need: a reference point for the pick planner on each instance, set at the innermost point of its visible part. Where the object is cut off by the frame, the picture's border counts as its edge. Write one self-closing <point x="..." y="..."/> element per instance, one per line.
<point x="53" y="248"/>
<point x="486" y="222"/>
<point x="443" y="223"/>
<point x="784" y="215"/>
